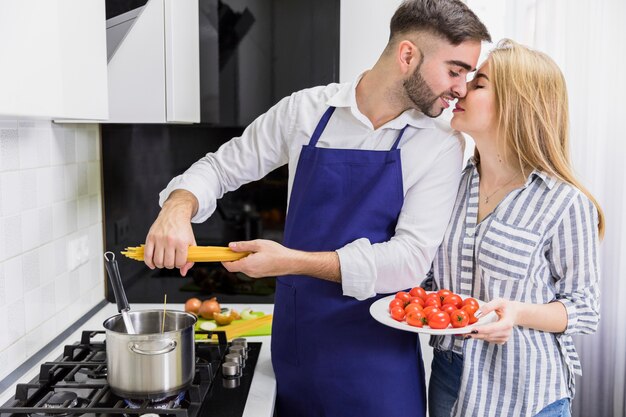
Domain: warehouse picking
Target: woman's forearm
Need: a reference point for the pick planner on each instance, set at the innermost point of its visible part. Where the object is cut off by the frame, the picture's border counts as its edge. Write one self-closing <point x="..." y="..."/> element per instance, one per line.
<point x="551" y="317"/>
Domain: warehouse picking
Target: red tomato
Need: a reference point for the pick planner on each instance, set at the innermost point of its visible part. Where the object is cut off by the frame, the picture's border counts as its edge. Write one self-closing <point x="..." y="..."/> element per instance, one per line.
<point x="432" y="300"/>
<point x="471" y="301"/>
<point x="448" y="308"/>
<point x="397" y="313"/>
<point x="459" y="318"/>
<point x="470" y="312"/>
<point x="418" y="292"/>
<point x="412" y="307"/>
<point x="396" y="302"/>
<point x="443" y="294"/>
<point x="416" y="318"/>
<point x="430" y="309"/>
<point x="404" y="296"/>
<point x="453" y="299"/>
<point x="417" y="300"/>
<point x="438" y="320"/>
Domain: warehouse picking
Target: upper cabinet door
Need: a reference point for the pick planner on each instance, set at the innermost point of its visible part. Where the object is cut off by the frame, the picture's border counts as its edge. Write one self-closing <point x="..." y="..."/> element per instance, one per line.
<point x="54" y="59"/>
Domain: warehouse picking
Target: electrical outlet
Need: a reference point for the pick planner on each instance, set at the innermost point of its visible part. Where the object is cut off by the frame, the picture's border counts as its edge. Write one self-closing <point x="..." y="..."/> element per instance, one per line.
<point x="122" y="228"/>
<point x="77" y="252"/>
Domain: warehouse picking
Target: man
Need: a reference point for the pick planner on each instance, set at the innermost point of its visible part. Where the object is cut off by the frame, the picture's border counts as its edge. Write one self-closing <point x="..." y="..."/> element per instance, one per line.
<point x="372" y="183"/>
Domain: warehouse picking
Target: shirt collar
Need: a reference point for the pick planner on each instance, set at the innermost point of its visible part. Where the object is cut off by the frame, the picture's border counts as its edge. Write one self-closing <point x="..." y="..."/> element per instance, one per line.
<point x="543" y="176"/>
<point x="346" y="97"/>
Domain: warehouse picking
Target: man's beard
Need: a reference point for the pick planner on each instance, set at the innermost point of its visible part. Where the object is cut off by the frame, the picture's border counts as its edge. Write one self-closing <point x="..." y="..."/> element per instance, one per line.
<point x="420" y="93"/>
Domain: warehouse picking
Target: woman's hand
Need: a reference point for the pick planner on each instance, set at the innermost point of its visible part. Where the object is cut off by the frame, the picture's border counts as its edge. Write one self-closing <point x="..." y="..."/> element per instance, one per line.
<point x="500" y="331"/>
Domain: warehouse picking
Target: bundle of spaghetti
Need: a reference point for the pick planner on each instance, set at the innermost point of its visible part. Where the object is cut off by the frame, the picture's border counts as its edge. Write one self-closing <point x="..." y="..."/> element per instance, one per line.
<point x="194" y="254"/>
<point x="241" y="328"/>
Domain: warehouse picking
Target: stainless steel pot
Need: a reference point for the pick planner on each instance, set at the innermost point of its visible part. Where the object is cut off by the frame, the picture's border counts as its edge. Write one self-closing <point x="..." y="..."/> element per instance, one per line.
<point x="150" y="364"/>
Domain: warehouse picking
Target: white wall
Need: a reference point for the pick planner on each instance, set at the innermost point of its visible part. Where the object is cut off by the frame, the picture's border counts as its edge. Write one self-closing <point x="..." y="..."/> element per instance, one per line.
<point x="50" y="193"/>
<point x="363" y="35"/>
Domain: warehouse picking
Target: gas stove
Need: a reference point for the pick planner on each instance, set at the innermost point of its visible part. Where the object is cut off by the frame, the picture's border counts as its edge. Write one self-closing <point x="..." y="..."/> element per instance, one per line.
<point x="76" y="384"/>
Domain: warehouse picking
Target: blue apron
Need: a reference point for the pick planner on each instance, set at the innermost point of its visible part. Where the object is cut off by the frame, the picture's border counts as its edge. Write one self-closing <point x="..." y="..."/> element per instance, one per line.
<point x="330" y="357"/>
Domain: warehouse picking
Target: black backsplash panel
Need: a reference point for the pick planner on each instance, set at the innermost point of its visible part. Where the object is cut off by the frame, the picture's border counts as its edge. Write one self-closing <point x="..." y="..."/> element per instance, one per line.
<point x="138" y="162"/>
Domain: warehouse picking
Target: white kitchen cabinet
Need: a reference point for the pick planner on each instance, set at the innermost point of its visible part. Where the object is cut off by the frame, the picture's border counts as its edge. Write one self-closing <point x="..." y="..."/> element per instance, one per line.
<point x="53" y="61"/>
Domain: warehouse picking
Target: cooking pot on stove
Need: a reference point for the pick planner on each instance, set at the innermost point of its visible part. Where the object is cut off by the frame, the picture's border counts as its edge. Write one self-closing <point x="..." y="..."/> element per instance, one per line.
<point x="150" y="364"/>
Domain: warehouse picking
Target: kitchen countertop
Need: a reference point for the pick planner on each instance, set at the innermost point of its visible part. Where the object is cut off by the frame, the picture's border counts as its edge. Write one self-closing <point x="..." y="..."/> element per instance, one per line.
<point x="262" y="395"/>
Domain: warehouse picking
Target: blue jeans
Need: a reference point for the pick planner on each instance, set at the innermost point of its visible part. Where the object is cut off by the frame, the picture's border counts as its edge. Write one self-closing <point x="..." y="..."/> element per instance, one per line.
<point x="445" y="382"/>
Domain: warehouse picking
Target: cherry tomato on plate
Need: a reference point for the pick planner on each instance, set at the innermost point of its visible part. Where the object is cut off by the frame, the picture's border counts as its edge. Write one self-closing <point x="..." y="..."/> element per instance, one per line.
<point x="442" y="294"/>
<point x="470" y="309"/>
<point x="412" y="307"/>
<point x="438" y="320"/>
<point x="397" y="313"/>
<point x="430" y="309"/>
<point x="418" y="292"/>
<point x="449" y="308"/>
<point x="416" y="318"/>
<point x="471" y="301"/>
<point x="453" y="299"/>
<point x="417" y="300"/>
<point x="459" y="318"/>
<point x="432" y="300"/>
<point x="404" y="296"/>
<point x="396" y="302"/>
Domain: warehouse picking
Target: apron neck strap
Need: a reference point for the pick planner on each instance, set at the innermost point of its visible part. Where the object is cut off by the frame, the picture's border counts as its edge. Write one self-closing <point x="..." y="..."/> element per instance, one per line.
<point x="321" y="125"/>
<point x="397" y="142"/>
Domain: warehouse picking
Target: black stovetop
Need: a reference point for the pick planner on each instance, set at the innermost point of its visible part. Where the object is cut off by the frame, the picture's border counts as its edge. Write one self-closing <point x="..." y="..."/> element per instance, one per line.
<point x="75" y="384"/>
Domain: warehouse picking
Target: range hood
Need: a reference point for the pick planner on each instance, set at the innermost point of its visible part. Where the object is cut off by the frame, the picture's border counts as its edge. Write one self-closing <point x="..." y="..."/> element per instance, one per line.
<point x="154" y="63"/>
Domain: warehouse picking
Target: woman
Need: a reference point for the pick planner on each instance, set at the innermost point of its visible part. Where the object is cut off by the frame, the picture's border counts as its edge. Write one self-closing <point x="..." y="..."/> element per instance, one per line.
<point x="523" y="236"/>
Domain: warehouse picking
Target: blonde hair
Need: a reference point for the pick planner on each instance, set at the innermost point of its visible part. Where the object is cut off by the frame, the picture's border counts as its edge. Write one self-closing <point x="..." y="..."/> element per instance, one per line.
<point x="532" y="112"/>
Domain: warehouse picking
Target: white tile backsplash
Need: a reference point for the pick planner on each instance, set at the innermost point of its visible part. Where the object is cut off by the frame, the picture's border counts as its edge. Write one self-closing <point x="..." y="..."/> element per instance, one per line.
<point x="50" y="191"/>
<point x="9" y="148"/>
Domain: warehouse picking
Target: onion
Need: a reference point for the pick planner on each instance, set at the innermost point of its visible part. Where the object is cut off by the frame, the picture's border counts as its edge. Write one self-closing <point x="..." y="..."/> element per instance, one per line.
<point x="193" y="306"/>
<point x="209" y="307"/>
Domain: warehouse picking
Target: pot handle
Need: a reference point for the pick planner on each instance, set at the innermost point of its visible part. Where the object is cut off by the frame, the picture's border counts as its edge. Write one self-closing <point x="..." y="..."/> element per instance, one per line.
<point x="134" y="347"/>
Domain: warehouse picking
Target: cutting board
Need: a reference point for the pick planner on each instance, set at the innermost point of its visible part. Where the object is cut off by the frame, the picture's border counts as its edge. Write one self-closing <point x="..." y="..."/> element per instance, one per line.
<point x="261" y="326"/>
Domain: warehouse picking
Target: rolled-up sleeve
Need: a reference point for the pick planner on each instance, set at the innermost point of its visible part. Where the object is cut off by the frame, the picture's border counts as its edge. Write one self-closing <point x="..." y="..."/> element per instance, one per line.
<point x="403" y="261"/>
<point x="574" y="256"/>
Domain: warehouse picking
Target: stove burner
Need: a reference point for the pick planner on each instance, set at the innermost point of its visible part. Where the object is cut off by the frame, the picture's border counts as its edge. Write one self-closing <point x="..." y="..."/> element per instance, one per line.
<point x="87" y="374"/>
<point x="168" y="402"/>
<point x="61" y="399"/>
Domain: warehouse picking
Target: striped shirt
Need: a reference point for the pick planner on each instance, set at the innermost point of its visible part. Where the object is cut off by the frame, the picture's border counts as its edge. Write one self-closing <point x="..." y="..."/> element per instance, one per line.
<point x="539" y="245"/>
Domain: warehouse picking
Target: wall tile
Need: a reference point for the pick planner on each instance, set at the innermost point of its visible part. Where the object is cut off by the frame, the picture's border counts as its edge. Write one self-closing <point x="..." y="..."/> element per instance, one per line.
<point x="16" y="320"/>
<point x="16" y="354"/>
<point x="29" y="189"/>
<point x="70" y="144"/>
<point x="9" y="149"/>
<point x="82" y="144"/>
<point x="28" y="147"/>
<point x="12" y="235"/>
<point x="57" y="175"/>
<point x="93" y="143"/>
<point x="45" y="187"/>
<point x="10" y="189"/>
<point x="14" y="280"/>
<point x="30" y="230"/>
<point x="3" y="293"/>
<point x="57" y="146"/>
<point x="83" y="212"/>
<point x="31" y="270"/>
<point x="48" y="264"/>
<point x="71" y="214"/>
<point x="34" y="312"/>
<point x="71" y="181"/>
<point x="83" y="179"/>
<point x="60" y="256"/>
<point x="45" y="224"/>
<point x="93" y="186"/>
<point x="3" y="254"/>
<point x="59" y="220"/>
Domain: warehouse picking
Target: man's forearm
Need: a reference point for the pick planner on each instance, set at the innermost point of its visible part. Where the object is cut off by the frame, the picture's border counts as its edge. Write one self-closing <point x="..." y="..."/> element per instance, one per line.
<point x="323" y="265"/>
<point x="183" y="202"/>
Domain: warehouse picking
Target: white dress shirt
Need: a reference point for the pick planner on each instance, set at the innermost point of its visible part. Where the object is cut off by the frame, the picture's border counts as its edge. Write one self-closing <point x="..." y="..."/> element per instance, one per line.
<point x="432" y="157"/>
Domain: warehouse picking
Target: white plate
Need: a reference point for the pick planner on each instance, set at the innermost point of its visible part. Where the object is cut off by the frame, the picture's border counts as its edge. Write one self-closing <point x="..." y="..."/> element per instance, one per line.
<point x="380" y="311"/>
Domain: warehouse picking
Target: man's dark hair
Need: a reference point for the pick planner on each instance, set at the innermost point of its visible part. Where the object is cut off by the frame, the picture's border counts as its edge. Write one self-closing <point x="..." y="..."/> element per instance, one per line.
<point x="450" y="19"/>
